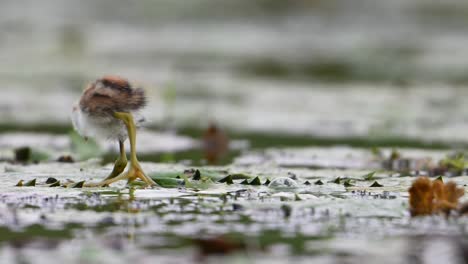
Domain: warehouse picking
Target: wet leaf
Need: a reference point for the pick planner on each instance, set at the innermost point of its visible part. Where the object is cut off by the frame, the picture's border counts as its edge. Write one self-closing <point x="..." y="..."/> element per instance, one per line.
<point x="255" y="181"/>
<point x="169" y="182"/>
<point x="20" y="183"/>
<point x="31" y="183"/>
<point x="369" y="176"/>
<point x="267" y="182"/>
<point x="77" y="185"/>
<point x="318" y="182"/>
<point x="245" y="182"/>
<point x="50" y="180"/>
<point x="347" y="183"/>
<point x="227" y="180"/>
<point x="376" y="184"/>
<point x="55" y="184"/>
<point x="240" y="176"/>
<point x="337" y="180"/>
<point x="196" y="176"/>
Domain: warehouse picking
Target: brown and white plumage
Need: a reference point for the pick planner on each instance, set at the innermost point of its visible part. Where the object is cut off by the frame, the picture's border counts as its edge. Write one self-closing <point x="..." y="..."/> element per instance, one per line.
<point x="93" y="115"/>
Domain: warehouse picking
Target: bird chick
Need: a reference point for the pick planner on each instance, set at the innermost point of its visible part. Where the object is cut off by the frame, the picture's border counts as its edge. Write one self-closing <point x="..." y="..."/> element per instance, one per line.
<point x="106" y="109"/>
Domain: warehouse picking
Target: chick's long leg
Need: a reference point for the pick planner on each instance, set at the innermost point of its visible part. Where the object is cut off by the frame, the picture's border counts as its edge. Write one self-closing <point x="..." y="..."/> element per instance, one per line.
<point x="135" y="171"/>
<point x="120" y="163"/>
<point x="119" y="167"/>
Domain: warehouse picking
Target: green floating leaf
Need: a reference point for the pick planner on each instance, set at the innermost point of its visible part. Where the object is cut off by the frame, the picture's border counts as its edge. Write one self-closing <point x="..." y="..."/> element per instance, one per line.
<point x="196" y="176"/>
<point x="255" y="181"/>
<point x="245" y="182"/>
<point x="337" y="180"/>
<point x="439" y="179"/>
<point x="20" y="183"/>
<point x="55" y="184"/>
<point x="31" y="183"/>
<point x="50" y="180"/>
<point x="169" y="182"/>
<point x="376" y="184"/>
<point x="267" y="182"/>
<point x="369" y="176"/>
<point x="240" y="176"/>
<point x="347" y="183"/>
<point x="319" y="182"/>
<point x="77" y="185"/>
<point x="227" y="180"/>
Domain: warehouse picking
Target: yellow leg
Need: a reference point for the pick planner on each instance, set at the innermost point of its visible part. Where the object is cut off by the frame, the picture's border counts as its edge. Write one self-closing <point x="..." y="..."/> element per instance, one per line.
<point x="120" y="163"/>
<point x="135" y="171"/>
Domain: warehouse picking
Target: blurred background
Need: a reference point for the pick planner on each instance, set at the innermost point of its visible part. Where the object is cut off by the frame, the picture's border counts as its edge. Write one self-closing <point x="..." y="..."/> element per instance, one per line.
<point x="269" y="73"/>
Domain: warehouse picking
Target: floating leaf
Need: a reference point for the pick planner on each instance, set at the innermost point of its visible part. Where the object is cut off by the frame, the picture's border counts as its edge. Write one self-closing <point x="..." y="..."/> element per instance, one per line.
<point x="227" y="180"/>
<point x="376" y="184"/>
<point x="318" y="182"/>
<point x="50" y="180"/>
<point x="19" y="184"/>
<point x="31" y="183"/>
<point x="255" y="181"/>
<point x="245" y="182"/>
<point x="240" y="176"/>
<point x="369" y="176"/>
<point x="347" y="183"/>
<point x="204" y="183"/>
<point x="77" y="185"/>
<point x="55" y="184"/>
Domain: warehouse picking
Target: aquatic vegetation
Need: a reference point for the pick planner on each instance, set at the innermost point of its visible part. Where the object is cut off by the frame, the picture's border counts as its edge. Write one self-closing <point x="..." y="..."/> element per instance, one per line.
<point x="432" y="197"/>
